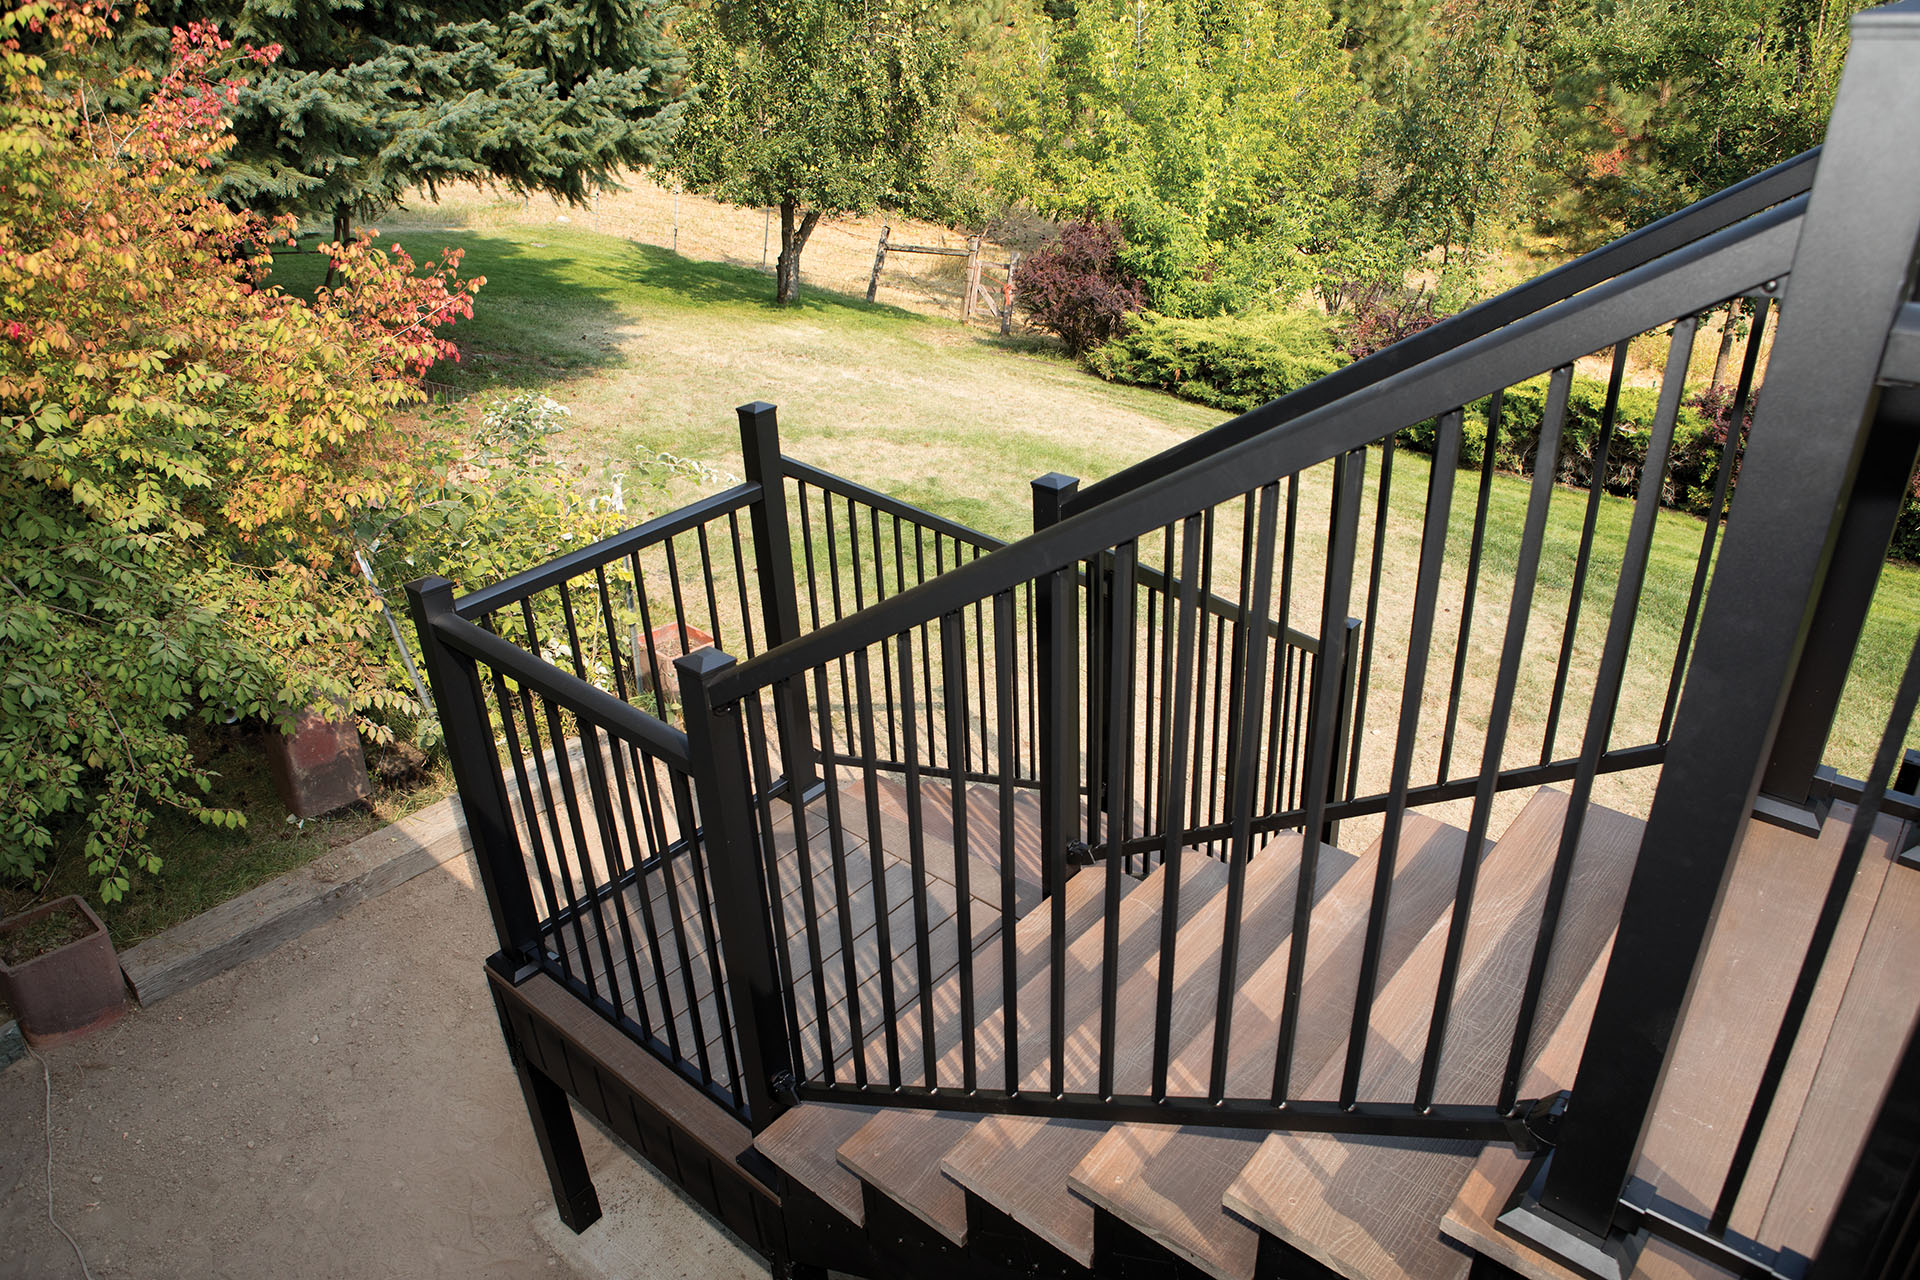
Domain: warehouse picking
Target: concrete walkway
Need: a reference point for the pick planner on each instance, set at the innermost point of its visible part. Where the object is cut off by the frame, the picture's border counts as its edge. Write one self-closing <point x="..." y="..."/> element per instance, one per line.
<point x="341" y="1107"/>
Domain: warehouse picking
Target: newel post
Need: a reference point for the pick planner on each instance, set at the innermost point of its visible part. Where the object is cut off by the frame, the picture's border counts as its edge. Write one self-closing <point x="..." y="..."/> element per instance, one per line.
<point x="460" y="701"/>
<point x="779" y="597"/>
<point x="716" y="741"/>
<point x="1057" y="652"/>
<point x="1852" y="272"/>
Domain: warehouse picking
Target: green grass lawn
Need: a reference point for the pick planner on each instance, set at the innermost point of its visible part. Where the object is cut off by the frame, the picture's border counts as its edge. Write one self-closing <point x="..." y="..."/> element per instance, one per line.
<point x="652" y="351"/>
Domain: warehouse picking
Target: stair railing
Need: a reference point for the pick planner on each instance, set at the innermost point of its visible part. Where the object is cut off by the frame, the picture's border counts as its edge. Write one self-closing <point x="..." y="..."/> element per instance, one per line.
<point x="888" y="1027"/>
<point x="1783" y="616"/>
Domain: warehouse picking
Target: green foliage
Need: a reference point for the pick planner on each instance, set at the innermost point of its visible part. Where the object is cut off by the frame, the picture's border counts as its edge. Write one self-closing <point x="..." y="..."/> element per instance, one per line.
<point x="1225" y="139"/>
<point x="1655" y="104"/>
<point x="822" y="107"/>
<point x="367" y="102"/>
<point x="1689" y="479"/>
<point x="181" y="449"/>
<point x="1233" y="363"/>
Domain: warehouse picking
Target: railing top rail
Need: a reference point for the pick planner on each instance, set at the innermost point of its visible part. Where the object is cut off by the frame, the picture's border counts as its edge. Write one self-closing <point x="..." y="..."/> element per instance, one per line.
<point x="655" y="737"/>
<point x="485" y="600"/>
<point x="1723" y="209"/>
<point x="1693" y="277"/>
<point x="889" y="505"/>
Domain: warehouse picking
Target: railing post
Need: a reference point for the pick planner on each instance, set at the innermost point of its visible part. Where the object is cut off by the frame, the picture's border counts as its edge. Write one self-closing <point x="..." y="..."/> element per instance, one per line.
<point x="779" y="599"/>
<point x="717" y="742"/>
<point x="1057" y="658"/>
<point x="1852" y="271"/>
<point x="467" y="729"/>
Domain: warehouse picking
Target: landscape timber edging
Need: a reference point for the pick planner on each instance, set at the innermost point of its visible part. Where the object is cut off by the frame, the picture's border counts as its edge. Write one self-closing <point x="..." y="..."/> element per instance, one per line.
<point x="281" y="910"/>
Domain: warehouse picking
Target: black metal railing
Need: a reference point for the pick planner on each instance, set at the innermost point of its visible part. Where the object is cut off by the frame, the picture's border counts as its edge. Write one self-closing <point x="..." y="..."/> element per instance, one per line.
<point x="1291" y="631"/>
<point x="1154" y="766"/>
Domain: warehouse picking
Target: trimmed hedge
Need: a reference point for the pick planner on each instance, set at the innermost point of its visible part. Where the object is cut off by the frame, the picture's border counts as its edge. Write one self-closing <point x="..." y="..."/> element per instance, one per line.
<point x="1233" y="363"/>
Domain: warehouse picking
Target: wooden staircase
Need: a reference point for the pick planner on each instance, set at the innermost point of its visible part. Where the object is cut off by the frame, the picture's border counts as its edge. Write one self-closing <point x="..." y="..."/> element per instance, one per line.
<point x="1079" y="1197"/>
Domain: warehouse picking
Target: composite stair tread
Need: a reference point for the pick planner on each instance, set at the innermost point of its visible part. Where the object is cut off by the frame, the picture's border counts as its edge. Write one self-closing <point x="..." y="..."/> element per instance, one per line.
<point x="905" y="1165"/>
<point x="1853" y="1033"/>
<point x="1020" y="1164"/>
<point x="894" y="1154"/>
<point x="1372" y="1208"/>
<point x="1869" y="1033"/>
<point x="1167" y="1182"/>
<point x="803" y="1143"/>
<point x="1773" y="898"/>
<point x="891" y="1164"/>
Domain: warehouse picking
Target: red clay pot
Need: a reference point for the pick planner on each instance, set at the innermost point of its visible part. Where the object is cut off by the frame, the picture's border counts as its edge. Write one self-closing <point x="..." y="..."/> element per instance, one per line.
<point x="73" y="989"/>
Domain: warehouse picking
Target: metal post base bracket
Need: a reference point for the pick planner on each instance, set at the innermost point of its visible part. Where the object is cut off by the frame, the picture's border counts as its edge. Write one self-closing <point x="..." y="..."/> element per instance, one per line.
<point x="1806" y="817"/>
<point x="1611" y="1258"/>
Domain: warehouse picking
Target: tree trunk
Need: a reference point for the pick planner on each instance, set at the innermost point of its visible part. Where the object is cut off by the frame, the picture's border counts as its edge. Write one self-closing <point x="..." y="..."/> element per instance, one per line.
<point x="793" y="239"/>
<point x="342" y="228"/>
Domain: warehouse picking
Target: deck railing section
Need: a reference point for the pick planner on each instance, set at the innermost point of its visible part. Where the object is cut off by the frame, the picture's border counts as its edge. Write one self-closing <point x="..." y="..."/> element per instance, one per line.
<point x="1290" y="550"/>
<point x="1104" y="683"/>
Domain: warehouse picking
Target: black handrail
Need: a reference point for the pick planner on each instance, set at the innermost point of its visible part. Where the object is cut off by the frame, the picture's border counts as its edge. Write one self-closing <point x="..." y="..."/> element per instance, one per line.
<point x="598" y="706"/>
<point x="489" y="599"/>
<point x="1716" y="212"/>
<point x="1698" y="275"/>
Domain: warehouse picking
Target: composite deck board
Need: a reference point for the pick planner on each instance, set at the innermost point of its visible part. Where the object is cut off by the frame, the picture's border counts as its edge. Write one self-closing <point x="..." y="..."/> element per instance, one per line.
<point x="901" y="1157"/>
<point x="1868" y="1034"/>
<point x="1021" y="1164"/>
<point x="1780" y="879"/>
<point x="904" y="1145"/>
<point x="1372" y="1207"/>
<point x="803" y="1143"/>
<point x="1168" y="1183"/>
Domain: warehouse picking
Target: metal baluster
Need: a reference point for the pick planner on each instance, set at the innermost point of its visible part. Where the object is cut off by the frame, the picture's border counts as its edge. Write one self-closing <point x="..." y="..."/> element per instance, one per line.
<point x="1349" y="472"/>
<point x="1433" y="550"/>
<point x="1606" y="694"/>
<point x="917" y="854"/>
<point x="1119" y="787"/>
<point x="1244" y="727"/>
<point x="1489" y="447"/>
<point x="1174" y="761"/>
<point x="953" y="658"/>
<point x="1723" y="477"/>
<point x="1526" y="574"/>
<point x="1372" y="617"/>
<point x="843" y="896"/>
<point x="1005" y="676"/>
<point x="876" y="856"/>
<point x="1595" y="491"/>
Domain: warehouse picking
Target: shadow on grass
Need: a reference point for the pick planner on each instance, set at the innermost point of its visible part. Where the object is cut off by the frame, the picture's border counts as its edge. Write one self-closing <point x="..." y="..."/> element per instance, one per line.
<point x="723" y="283"/>
<point x="561" y="304"/>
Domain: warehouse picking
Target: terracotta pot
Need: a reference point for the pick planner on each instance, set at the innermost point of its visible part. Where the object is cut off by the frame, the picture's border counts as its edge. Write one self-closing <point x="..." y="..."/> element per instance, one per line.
<point x="319" y="767"/>
<point x="69" y="991"/>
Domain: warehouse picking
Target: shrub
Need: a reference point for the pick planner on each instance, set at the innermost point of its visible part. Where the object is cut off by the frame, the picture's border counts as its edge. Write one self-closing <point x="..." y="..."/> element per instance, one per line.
<point x="1380" y="315"/>
<point x="1232" y="363"/>
<point x="183" y="451"/>
<point x="1524" y="405"/>
<point x="1076" y="289"/>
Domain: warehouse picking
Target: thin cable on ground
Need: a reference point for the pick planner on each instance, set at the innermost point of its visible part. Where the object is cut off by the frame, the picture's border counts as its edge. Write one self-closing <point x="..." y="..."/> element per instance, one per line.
<point x="46" y="1074"/>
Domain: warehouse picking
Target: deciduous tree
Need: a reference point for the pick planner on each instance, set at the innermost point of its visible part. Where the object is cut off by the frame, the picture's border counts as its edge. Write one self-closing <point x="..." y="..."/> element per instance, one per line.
<point x="821" y="107"/>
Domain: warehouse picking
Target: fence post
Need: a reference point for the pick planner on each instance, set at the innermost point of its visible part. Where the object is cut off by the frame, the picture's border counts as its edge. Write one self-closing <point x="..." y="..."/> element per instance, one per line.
<point x="1006" y="298"/>
<point x="879" y="260"/>
<point x="779" y="598"/>
<point x="1852" y="271"/>
<point x="468" y="732"/>
<point x="717" y="742"/>
<point x="973" y="280"/>
<point x="1057" y="659"/>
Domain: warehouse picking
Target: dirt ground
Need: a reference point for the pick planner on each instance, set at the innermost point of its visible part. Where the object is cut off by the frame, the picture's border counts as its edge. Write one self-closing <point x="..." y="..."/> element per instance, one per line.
<point x="341" y="1107"/>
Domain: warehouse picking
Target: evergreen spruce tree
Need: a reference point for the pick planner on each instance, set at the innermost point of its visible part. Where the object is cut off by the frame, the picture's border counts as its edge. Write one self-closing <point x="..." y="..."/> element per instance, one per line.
<point x="371" y="98"/>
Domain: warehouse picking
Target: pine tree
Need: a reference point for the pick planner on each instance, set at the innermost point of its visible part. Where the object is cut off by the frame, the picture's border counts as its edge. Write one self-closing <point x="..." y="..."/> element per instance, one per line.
<point x="370" y="100"/>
